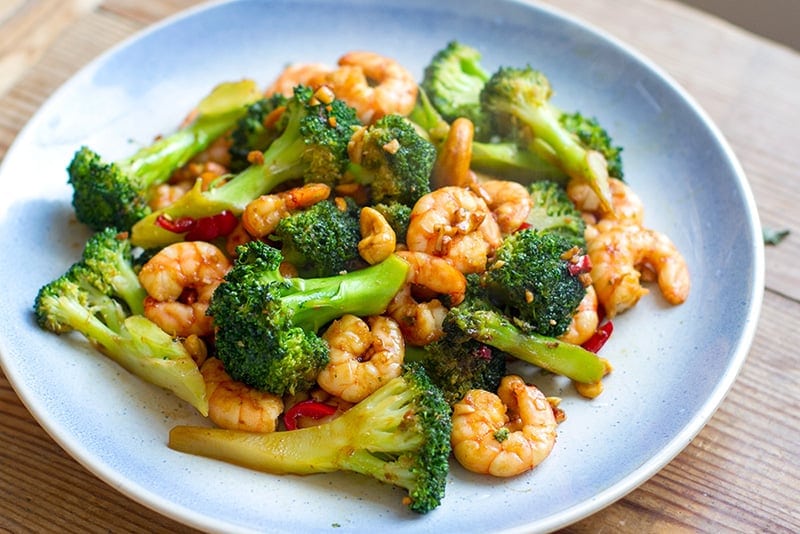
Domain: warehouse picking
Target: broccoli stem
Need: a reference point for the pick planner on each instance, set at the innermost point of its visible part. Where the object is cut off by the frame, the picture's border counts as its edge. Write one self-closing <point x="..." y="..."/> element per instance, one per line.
<point x="508" y="160"/>
<point x="399" y="435"/>
<point x="155" y="163"/>
<point x="572" y="361"/>
<point x="562" y="149"/>
<point x="317" y="301"/>
<point x="282" y="162"/>
<point x="143" y="349"/>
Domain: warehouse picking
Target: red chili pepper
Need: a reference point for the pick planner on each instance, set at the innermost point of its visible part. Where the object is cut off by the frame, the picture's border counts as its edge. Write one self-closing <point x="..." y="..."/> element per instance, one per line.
<point x="208" y="228"/>
<point x="202" y="229"/>
<point x="178" y="226"/>
<point x="599" y="338"/>
<point x="582" y="265"/>
<point x="308" y="408"/>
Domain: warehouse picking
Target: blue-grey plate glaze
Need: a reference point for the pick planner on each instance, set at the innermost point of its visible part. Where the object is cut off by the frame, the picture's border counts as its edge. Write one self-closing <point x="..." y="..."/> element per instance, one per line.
<point x="673" y="365"/>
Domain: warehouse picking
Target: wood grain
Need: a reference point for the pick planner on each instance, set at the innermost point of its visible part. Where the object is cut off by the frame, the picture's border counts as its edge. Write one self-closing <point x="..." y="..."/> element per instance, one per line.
<point x="738" y="475"/>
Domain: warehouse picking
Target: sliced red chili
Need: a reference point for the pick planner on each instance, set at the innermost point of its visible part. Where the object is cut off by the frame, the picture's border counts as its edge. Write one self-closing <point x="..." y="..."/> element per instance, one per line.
<point x="581" y="265"/>
<point x="308" y="408"/>
<point x="599" y="338"/>
<point x="202" y="229"/>
<point x="178" y="226"/>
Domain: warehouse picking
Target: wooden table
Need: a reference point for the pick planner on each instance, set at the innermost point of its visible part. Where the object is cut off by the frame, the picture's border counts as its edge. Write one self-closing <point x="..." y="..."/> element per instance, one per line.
<point x="739" y="474"/>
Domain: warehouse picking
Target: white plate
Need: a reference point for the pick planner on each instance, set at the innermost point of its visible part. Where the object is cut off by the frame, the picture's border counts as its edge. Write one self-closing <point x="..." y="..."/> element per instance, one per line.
<point x="673" y="365"/>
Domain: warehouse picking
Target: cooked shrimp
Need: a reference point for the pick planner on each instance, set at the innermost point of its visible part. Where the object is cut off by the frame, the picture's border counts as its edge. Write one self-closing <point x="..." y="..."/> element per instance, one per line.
<point x="620" y="252"/>
<point x="262" y="215"/>
<point x="179" y="281"/>
<point x="374" y="85"/>
<point x="436" y="275"/>
<point x="628" y="207"/>
<point x="584" y="320"/>
<point x="455" y="156"/>
<point x="504" y="434"/>
<point x="456" y="224"/>
<point x="310" y="74"/>
<point x="378" y="239"/>
<point x="237" y="237"/>
<point x="509" y="202"/>
<point x="165" y="194"/>
<point x="236" y="406"/>
<point x="421" y="321"/>
<point x="364" y="355"/>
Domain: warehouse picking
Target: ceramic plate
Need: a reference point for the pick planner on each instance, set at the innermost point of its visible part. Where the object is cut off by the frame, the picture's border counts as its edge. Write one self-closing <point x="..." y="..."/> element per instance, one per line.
<point x="673" y="365"/>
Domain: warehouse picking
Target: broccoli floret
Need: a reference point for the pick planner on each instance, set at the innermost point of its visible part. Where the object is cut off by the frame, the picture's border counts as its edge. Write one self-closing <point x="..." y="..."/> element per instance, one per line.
<point x="108" y="256"/>
<point x="267" y="325"/>
<point x="453" y="81"/>
<point x="533" y="276"/>
<point x="312" y="147"/>
<point x="595" y="137"/>
<point x="487" y="324"/>
<point x="457" y="363"/>
<point x="321" y="240"/>
<point x="399" y="435"/>
<point x="84" y="300"/>
<point x="117" y="193"/>
<point x="261" y="125"/>
<point x="518" y="102"/>
<point x="552" y="211"/>
<point x="398" y="216"/>
<point x="393" y="160"/>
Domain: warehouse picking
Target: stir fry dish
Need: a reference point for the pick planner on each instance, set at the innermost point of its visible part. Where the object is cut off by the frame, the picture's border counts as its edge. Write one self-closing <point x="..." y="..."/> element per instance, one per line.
<point x="340" y="269"/>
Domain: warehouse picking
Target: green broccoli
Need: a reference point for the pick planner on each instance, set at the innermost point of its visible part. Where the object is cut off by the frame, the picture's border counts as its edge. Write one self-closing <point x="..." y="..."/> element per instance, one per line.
<point x="312" y="147"/>
<point x="552" y="211"/>
<point x="108" y="256"/>
<point x="503" y="159"/>
<point x="487" y="324"/>
<point x="532" y="276"/>
<point x="251" y="133"/>
<point x="595" y="137"/>
<point x="321" y="240"/>
<point x="86" y="300"/>
<point x="508" y="160"/>
<point x="399" y="435"/>
<point x="393" y="160"/>
<point x="518" y="102"/>
<point x="117" y="193"/>
<point x="267" y="325"/>
<point x="453" y="81"/>
<point x="398" y="216"/>
<point x="457" y="363"/>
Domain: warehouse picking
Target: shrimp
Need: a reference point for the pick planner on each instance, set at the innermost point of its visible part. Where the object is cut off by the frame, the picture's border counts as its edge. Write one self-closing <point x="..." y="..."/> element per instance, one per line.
<point x="262" y="215"/>
<point x="421" y="322"/>
<point x="620" y="253"/>
<point x="310" y="74"/>
<point x="374" y="85"/>
<point x="364" y="355"/>
<point x="236" y="406"/>
<point x="236" y="238"/>
<point x="456" y="224"/>
<point x="584" y="320"/>
<point x="628" y="207"/>
<point x="378" y="239"/>
<point x="509" y="202"/>
<point x="505" y="434"/>
<point x="179" y="281"/>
